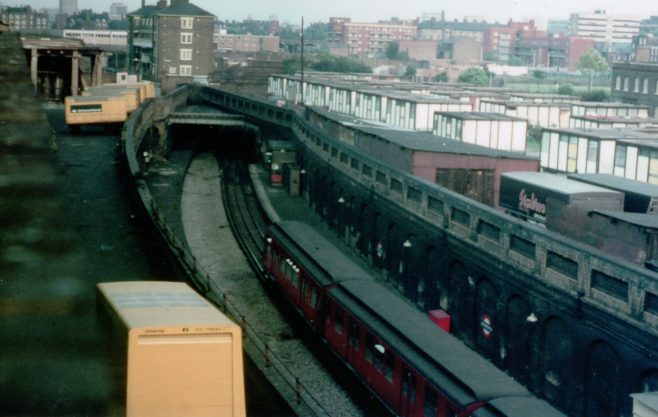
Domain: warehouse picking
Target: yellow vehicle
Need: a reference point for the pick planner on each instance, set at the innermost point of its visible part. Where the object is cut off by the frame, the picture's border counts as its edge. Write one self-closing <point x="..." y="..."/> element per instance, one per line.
<point x="176" y="354"/>
<point x="94" y="110"/>
<point x="108" y="105"/>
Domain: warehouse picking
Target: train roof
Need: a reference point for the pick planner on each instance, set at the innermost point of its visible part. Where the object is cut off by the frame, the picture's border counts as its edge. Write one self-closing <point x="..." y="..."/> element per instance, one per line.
<point x="317" y="253"/>
<point x="464" y="375"/>
<point x="517" y="407"/>
<point x="158" y="304"/>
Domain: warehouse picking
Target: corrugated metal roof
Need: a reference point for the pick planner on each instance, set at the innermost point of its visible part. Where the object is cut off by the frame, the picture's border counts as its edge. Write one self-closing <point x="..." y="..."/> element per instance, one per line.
<point x="557" y="183"/>
<point x="618" y="183"/>
<point x="184" y="9"/>
<point x="482" y="116"/>
<point x="639" y="219"/>
<point x="146" y="11"/>
<point x="419" y="141"/>
<point x="621" y="134"/>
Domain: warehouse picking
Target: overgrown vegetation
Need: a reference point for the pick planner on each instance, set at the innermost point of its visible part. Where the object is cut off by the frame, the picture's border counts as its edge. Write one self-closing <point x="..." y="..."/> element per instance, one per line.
<point x="595" y="95"/>
<point x="476" y="76"/>
<point x="325" y="63"/>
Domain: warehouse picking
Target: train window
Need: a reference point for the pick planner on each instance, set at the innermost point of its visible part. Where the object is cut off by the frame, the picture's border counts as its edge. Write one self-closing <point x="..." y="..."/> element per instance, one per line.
<point x="378" y="359"/>
<point x="343" y="158"/>
<point x="314" y="296"/>
<point x="430" y="404"/>
<point x="339" y="319"/>
<point x="389" y="361"/>
<point x="380" y="177"/>
<point x="409" y="385"/>
<point x="370" y="347"/>
<point x="325" y="147"/>
<point x="334" y="152"/>
<point x="354" y="334"/>
<point x="354" y="163"/>
<point x="367" y="171"/>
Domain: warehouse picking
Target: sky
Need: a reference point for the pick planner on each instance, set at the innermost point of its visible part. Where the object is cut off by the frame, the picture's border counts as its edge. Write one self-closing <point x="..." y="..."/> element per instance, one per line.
<point x="374" y="10"/>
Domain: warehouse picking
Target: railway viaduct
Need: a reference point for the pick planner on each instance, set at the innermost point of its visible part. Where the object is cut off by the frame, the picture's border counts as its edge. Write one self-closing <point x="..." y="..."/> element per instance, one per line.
<point x="578" y="327"/>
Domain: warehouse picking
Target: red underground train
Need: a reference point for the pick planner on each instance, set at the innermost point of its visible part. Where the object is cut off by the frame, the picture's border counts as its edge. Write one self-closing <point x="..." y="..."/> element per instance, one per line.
<point x="412" y="366"/>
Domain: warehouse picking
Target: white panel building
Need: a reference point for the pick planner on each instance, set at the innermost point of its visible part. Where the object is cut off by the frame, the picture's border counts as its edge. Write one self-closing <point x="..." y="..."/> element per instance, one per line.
<point x="491" y="130"/>
<point x="543" y="114"/>
<point x="603" y="27"/>
<point x="624" y="153"/>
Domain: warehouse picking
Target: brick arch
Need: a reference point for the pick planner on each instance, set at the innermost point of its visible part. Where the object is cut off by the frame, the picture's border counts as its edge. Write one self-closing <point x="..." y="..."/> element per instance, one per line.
<point x="557" y="349"/>
<point x="649" y="380"/>
<point x="603" y="379"/>
<point x="434" y="287"/>
<point x="517" y="337"/>
<point x="486" y="306"/>
<point x="393" y="249"/>
<point x="363" y="228"/>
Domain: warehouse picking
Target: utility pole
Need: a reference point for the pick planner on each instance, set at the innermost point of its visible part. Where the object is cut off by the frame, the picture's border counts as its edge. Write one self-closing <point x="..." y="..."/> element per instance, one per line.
<point x="302" y="65"/>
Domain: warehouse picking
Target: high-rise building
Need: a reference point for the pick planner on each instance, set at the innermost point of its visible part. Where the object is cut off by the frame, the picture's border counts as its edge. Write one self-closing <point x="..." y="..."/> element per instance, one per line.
<point x="118" y="11"/>
<point x="68" y="7"/>
<point x="23" y="18"/>
<point x="603" y="27"/>
<point x="171" y="44"/>
<point x="369" y="39"/>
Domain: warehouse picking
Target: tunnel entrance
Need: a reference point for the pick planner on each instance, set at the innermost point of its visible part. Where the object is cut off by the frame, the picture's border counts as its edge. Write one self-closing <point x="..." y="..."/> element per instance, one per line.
<point x="227" y="142"/>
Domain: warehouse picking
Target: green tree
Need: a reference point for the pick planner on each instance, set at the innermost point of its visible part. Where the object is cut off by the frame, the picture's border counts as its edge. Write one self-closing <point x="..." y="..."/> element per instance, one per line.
<point x="591" y="62"/>
<point x="538" y="75"/>
<point x="441" y="77"/>
<point x="566" y="89"/>
<point x="476" y="76"/>
<point x="392" y="50"/>
<point x="329" y="63"/>
<point x="595" y="95"/>
<point x="515" y="61"/>
<point x="409" y="73"/>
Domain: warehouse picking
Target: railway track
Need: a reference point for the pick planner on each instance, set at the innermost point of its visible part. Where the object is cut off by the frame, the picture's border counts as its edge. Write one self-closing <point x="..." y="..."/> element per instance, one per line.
<point x="244" y="214"/>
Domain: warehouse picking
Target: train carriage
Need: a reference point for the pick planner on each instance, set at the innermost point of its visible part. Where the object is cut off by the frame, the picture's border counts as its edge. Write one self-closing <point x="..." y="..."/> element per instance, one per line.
<point x="394" y="346"/>
<point x="303" y="264"/>
<point x="415" y="369"/>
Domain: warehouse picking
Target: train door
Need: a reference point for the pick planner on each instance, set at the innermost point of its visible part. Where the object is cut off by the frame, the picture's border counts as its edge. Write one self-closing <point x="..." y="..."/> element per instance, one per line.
<point x="407" y="392"/>
<point x="309" y="299"/>
<point x="353" y="342"/>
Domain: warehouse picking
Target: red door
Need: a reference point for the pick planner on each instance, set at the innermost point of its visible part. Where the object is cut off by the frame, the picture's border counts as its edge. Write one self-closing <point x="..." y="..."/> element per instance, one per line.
<point x="407" y="392"/>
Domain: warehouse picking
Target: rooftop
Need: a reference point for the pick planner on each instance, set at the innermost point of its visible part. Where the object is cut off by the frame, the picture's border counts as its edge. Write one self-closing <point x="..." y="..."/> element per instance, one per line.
<point x="418" y="141"/>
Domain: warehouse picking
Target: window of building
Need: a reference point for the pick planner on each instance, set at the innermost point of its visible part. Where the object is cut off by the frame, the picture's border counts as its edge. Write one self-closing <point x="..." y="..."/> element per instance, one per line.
<point x="172" y="70"/>
<point x="636" y="87"/>
<point x="185" y="70"/>
<point x="618" y="82"/>
<point x="620" y="157"/>
<point x="626" y="81"/>
<point x="645" y="86"/>
<point x="185" y="54"/>
<point x="186" y="22"/>
<point x="186" y="37"/>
